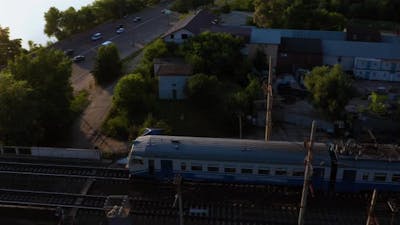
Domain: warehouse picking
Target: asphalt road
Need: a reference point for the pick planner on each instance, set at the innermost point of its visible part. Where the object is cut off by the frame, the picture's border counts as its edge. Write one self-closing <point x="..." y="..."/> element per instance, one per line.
<point x="136" y="34"/>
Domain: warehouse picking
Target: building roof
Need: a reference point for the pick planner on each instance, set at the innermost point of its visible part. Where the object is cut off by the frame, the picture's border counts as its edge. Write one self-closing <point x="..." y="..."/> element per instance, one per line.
<point x="301" y="45"/>
<point x="172" y="67"/>
<point x="243" y="32"/>
<point x="228" y="150"/>
<point x="273" y="36"/>
<point x="361" y="49"/>
<point x="362" y="34"/>
<point x="195" y="23"/>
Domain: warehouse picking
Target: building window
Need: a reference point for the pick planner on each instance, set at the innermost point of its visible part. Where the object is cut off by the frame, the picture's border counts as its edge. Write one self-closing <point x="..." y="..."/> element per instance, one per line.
<point x="171" y="36"/>
<point x="229" y="170"/>
<point x="184" y="36"/>
<point x="396" y="178"/>
<point x="280" y="172"/>
<point x="365" y="177"/>
<point x="183" y="166"/>
<point x="380" y="177"/>
<point x="212" y="169"/>
<point x="263" y="171"/>
<point x="298" y="173"/>
<point x="246" y="171"/>
<point x="197" y="167"/>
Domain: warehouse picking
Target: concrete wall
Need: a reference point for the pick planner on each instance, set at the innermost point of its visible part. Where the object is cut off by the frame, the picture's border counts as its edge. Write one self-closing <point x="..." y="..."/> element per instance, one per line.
<point x="177" y="36"/>
<point x="167" y="85"/>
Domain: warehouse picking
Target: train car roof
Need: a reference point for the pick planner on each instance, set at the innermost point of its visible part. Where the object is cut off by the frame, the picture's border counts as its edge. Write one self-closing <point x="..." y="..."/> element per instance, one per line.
<point x="228" y="150"/>
<point x="369" y="164"/>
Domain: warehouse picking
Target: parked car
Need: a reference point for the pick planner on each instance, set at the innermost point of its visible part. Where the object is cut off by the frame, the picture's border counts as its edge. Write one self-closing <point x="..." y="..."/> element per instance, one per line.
<point x="120" y="30"/>
<point x="96" y="36"/>
<point x="137" y="19"/>
<point x="78" y="58"/>
<point x="106" y="43"/>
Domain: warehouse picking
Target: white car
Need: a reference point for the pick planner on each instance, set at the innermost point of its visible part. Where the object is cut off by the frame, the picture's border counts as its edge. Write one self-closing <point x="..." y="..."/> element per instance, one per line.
<point x="120" y="30"/>
<point x="106" y="43"/>
<point x="96" y="36"/>
<point x="137" y="19"/>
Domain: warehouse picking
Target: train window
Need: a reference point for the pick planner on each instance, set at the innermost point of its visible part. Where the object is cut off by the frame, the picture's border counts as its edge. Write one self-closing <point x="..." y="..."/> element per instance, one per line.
<point x="380" y="177"/>
<point x="396" y="178"/>
<point x="280" y="172"/>
<point x="246" y="171"/>
<point x="183" y="166"/>
<point x="212" y="169"/>
<point x="229" y="170"/>
<point x="263" y="171"/>
<point x="365" y="176"/>
<point x="197" y="167"/>
<point x="349" y="175"/>
<point x="298" y="173"/>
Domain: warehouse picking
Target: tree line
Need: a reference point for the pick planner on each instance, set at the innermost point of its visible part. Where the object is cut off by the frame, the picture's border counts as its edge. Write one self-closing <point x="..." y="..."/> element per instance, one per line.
<point x="324" y="15"/>
<point x="62" y="24"/>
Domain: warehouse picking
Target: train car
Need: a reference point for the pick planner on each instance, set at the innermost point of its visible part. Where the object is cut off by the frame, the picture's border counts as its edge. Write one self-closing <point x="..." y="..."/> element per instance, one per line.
<point x="228" y="160"/>
<point x="363" y="168"/>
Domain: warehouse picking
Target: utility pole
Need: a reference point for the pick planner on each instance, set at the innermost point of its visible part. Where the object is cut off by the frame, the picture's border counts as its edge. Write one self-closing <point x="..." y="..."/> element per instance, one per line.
<point x="371" y="215"/>
<point x="307" y="176"/>
<point x="268" y="95"/>
<point x="178" y="182"/>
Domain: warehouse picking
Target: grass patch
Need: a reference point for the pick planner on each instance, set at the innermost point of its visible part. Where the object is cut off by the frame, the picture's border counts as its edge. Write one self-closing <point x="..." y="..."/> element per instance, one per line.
<point x="80" y="102"/>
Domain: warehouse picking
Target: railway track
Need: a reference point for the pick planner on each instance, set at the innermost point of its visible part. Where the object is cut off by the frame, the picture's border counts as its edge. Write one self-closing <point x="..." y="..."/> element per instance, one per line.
<point x="64" y="171"/>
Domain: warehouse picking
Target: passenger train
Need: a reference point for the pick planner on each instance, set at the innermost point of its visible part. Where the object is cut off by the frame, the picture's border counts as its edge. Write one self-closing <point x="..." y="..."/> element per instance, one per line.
<point x="258" y="162"/>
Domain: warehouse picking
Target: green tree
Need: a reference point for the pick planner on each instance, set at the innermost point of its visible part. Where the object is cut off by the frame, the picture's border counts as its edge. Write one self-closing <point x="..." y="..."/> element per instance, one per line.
<point x="53" y="18"/>
<point x="8" y="48"/>
<point x="47" y="72"/>
<point x="331" y="89"/>
<point x="215" y="53"/>
<point x="18" y="114"/>
<point x="378" y="103"/>
<point x="270" y="13"/>
<point x="133" y="95"/>
<point x="108" y="65"/>
<point x="154" y="50"/>
<point x="204" y="90"/>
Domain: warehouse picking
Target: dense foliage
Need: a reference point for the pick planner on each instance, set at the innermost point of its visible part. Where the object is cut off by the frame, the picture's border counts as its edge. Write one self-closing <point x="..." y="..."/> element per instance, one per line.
<point x="378" y="103"/>
<point x="331" y="89"/>
<point x="36" y="96"/>
<point x="324" y="15"/>
<point x="215" y="53"/>
<point x="8" y="48"/>
<point x="108" y="65"/>
<point x="204" y="90"/>
<point x="62" y="24"/>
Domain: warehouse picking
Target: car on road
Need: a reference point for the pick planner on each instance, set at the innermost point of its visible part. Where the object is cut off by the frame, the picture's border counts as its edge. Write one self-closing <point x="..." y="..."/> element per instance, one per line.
<point x="78" y="58"/>
<point x="137" y="19"/>
<point x="166" y="11"/>
<point x="96" y="36"/>
<point x="120" y="30"/>
<point x="106" y="43"/>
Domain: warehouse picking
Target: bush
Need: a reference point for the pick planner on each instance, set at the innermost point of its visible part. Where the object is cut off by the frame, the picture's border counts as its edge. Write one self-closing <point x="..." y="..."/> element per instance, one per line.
<point x="116" y="127"/>
<point x="225" y="8"/>
<point x="80" y="102"/>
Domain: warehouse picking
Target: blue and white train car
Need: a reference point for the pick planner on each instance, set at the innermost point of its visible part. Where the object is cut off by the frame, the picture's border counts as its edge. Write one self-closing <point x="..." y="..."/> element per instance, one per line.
<point x="365" y="171"/>
<point x="228" y="160"/>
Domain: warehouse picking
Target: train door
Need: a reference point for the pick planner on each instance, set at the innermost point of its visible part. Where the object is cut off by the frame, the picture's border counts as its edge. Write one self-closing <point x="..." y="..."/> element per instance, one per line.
<point x="151" y="166"/>
<point x="167" y="168"/>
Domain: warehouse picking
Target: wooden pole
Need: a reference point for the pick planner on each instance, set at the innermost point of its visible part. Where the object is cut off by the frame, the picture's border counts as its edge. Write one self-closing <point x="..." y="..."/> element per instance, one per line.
<point x="179" y="192"/>
<point x="268" y="90"/>
<point x="307" y="176"/>
<point x="371" y="209"/>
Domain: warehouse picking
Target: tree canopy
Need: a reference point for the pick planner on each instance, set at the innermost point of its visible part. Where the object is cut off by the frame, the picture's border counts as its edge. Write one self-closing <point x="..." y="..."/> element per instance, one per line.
<point x="108" y="65"/>
<point x="41" y="80"/>
<point x="204" y="90"/>
<point x="378" y="103"/>
<point x="9" y="48"/>
<point x="331" y="89"/>
<point x="215" y="53"/>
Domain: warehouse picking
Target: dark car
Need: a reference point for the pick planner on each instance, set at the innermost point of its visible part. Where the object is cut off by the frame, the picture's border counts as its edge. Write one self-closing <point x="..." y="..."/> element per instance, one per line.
<point x="78" y="58"/>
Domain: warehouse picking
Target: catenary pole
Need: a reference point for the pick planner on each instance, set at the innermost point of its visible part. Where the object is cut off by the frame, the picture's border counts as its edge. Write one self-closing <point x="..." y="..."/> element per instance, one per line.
<point x="307" y="176"/>
<point x="268" y="90"/>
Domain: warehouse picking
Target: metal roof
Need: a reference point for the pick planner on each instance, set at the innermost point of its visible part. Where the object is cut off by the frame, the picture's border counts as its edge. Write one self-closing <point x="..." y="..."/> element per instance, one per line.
<point x="228" y="150"/>
<point x="273" y="36"/>
<point x="361" y="49"/>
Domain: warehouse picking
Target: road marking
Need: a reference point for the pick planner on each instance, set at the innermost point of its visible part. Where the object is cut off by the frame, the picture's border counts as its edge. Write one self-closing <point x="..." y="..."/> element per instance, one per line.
<point x="118" y="35"/>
